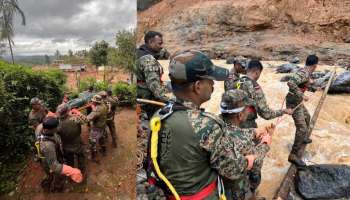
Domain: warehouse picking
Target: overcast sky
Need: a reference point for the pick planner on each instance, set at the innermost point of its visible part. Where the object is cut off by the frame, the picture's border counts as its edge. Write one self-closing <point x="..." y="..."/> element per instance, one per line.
<point x="70" y="24"/>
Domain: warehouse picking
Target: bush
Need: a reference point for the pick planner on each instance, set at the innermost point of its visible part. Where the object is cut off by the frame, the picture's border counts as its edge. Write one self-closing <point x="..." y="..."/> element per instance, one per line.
<point x="90" y="81"/>
<point x="18" y="84"/>
<point x="126" y="93"/>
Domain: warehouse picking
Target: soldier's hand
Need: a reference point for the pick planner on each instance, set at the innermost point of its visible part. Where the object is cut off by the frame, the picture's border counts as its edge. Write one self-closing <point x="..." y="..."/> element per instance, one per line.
<point x="305" y="98"/>
<point x="288" y="111"/>
<point x="270" y="129"/>
<point x="259" y="132"/>
<point x="250" y="160"/>
<point x="267" y="139"/>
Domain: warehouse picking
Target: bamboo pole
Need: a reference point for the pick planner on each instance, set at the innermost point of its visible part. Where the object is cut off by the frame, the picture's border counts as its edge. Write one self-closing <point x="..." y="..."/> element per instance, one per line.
<point x="150" y="102"/>
<point x="288" y="180"/>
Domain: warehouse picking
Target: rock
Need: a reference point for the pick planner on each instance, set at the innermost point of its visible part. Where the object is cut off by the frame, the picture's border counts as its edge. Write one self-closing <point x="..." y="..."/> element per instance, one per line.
<point x="341" y="84"/>
<point x="295" y="60"/>
<point x="287" y="68"/>
<point x="230" y="60"/>
<point x="324" y="182"/>
<point x="347" y="40"/>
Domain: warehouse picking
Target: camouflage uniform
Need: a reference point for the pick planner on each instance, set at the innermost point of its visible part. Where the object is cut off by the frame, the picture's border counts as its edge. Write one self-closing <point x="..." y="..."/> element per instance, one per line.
<point x="194" y="150"/>
<point x="111" y="108"/>
<point x="97" y="118"/>
<point x="69" y="129"/>
<point x="245" y="143"/>
<point x="231" y="82"/>
<point x="36" y="117"/>
<point x="258" y="100"/>
<point x="297" y="84"/>
<point x="149" y="83"/>
<point x="51" y="161"/>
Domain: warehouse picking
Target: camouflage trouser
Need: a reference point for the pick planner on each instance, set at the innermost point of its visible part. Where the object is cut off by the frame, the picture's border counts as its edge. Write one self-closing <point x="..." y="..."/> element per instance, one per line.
<point x="301" y="119"/>
<point x="69" y="157"/>
<point x="53" y="182"/>
<point x="112" y="130"/>
<point x="96" y="136"/>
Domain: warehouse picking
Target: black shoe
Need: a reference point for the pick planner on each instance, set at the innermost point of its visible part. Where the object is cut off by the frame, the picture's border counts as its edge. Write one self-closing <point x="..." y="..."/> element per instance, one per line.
<point x="296" y="161"/>
<point x="307" y="141"/>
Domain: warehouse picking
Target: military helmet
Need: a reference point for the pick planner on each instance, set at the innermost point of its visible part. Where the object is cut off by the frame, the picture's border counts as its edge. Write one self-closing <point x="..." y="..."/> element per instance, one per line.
<point x="103" y="94"/>
<point x="35" y="100"/>
<point x="230" y="101"/>
<point x="96" y="98"/>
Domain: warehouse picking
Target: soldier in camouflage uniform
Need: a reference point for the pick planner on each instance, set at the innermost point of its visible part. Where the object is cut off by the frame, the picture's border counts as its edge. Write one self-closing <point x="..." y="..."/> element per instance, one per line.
<point x="69" y="129"/>
<point x="239" y="65"/>
<point x="149" y="72"/>
<point x="298" y="84"/>
<point x="249" y="84"/>
<point x="111" y="105"/>
<point x="51" y="158"/>
<point x="97" y="119"/>
<point x="233" y="109"/>
<point x="37" y="114"/>
<point x="193" y="148"/>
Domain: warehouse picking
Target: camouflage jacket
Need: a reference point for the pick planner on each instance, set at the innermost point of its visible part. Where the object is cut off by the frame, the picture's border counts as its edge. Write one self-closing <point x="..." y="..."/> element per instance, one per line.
<point x="69" y="129"/>
<point x="231" y="82"/>
<point x="98" y="116"/>
<point x="149" y="73"/>
<point x="257" y="97"/>
<point x="51" y="153"/>
<point x="111" y="108"/>
<point x="36" y="117"/>
<point x="194" y="149"/>
<point x="245" y="142"/>
<point x="297" y="83"/>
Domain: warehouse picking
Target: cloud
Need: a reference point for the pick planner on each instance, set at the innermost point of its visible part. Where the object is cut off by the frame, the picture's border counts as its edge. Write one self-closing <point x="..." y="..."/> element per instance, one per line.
<point x="70" y="24"/>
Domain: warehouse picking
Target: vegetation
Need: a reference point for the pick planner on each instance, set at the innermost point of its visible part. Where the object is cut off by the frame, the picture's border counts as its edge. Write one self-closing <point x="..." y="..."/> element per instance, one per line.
<point x="98" y="53"/>
<point x="18" y="84"/>
<point x="9" y="8"/>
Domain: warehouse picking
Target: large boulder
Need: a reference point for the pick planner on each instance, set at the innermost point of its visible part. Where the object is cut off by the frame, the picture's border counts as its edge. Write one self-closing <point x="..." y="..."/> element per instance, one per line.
<point x="323" y="182"/>
<point x="341" y="84"/>
<point x="287" y="68"/>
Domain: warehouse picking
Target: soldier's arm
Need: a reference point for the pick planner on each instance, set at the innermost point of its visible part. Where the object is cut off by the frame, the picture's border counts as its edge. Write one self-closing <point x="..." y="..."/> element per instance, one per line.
<point x="49" y="153"/>
<point x="262" y="108"/>
<point x="224" y="158"/>
<point x="93" y="115"/>
<point x="293" y="83"/>
<point x="153" y="80"/>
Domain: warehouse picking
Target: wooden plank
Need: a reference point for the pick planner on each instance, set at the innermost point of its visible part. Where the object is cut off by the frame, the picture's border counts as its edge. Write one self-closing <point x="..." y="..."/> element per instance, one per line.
<point x="288" y="180"/>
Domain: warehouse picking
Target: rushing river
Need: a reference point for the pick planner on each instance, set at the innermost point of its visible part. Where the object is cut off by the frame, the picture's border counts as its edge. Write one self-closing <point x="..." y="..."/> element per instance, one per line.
<point x="331" y="135"/>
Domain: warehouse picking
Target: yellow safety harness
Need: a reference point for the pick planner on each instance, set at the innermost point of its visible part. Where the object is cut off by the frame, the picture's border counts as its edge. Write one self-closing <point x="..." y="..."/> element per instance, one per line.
<point x="155" y="125"/>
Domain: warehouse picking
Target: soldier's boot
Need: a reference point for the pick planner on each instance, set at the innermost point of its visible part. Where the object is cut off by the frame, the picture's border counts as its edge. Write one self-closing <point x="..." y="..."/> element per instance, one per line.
<point x="307" y="141"/>
<point x="94" y="157"/>
<point x="114" y="143"/>
<point x="294" y="159"/>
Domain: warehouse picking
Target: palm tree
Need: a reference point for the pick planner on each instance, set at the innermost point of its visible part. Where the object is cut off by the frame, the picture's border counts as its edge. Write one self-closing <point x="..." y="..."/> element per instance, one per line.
<point x="8" y="8"/>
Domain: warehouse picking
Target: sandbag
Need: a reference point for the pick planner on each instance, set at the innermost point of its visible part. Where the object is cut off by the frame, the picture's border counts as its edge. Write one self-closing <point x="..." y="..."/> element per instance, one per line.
<point x="323" y="182"/>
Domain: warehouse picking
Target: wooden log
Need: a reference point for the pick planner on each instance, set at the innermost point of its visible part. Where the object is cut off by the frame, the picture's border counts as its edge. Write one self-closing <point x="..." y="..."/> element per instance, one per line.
<point x="288" y="180"/>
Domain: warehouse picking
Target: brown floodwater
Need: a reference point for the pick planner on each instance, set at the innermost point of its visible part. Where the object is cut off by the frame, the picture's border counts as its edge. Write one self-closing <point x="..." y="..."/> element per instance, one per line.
<point x="331" y="135"/>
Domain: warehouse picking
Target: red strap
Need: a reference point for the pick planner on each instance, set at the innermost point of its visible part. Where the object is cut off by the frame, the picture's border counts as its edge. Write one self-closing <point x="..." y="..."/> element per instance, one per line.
<point x="251" y="109"/>
<point x="303" y="89"/>
<point x="204" y="193"/>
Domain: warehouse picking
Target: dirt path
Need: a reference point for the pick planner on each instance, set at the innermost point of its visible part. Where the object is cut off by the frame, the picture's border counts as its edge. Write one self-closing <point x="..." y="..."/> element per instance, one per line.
<point x="113" y="179"/>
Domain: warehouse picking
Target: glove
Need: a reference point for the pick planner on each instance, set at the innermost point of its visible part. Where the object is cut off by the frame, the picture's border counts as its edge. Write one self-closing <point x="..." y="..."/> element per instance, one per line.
<point x="73" y="173"/>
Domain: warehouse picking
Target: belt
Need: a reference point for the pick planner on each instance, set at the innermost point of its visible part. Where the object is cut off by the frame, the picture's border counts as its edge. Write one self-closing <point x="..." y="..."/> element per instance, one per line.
<point x="205" y="192"/>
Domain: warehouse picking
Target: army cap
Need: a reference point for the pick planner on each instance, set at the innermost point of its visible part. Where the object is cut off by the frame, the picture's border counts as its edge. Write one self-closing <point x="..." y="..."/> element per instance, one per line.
<point x="190" y="66"/>
<point x="242" y="61"/>
<point x="35" y="101"/>
<point x="230" y="101"/>
<point x="62" y="109"/>
<point x="96" y="98"/>
<point x="103" y="94"/>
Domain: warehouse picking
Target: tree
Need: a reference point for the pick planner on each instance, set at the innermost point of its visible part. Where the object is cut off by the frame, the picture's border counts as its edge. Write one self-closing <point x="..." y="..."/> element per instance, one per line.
<point x="70" y="53"/>
<point x="98" y="53"/>
<point x="57" y="55"/>
<point x="8" y="8"/>
<point x="47" y="59"/>
<point x="124" y="55"/>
